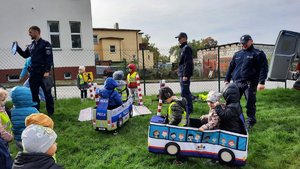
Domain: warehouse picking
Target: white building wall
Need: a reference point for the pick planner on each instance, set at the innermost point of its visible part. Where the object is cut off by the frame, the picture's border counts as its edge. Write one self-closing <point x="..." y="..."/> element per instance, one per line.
<point x="18" y="15"/>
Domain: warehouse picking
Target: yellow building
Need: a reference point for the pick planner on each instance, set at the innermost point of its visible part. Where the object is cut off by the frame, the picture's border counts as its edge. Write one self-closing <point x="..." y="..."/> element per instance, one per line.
<point x="118" y="44"/>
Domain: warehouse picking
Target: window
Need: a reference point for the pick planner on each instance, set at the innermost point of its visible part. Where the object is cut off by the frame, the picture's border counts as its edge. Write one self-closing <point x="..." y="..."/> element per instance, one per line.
<point x="53" y="27"/>
<point x="95" y="40"/>
<point x="75" y="34"/>
<point x="112" y="48"/>
<point x="67" y="75"/>
<point x="13" y="78"/>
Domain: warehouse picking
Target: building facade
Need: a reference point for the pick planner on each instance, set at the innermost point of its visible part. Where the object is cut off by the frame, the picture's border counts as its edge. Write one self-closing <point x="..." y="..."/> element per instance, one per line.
<point x="117" y="45"/>
<point x="66" y="24"/>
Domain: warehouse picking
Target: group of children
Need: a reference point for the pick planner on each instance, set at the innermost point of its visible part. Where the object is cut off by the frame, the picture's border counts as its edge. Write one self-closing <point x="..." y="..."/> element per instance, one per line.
<point x="115" y="89"/>
<point x="226" y="116"/>
<point x="32" y="131"/>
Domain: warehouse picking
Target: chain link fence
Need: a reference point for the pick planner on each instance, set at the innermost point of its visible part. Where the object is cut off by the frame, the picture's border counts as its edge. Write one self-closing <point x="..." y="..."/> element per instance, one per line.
<point x="208" y="74"/>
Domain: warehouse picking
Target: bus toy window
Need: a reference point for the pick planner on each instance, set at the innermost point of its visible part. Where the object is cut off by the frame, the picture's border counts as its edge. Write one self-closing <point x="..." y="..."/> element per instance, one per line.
<point x="194" y="136"/>
<point x="210" y="137"/>
<point x="242" y="143"/>
<point x="177" y="134"/>
<point x="228" y="140"/>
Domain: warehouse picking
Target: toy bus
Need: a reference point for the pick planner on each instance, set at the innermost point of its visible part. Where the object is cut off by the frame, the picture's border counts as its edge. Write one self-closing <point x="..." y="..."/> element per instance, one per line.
<point x="227" y="147"/>
<point x="112" y="119"/>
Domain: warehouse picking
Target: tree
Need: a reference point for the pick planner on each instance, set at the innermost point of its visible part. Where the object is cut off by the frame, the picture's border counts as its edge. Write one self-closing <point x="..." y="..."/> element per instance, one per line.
<point x="195" y="45"/>
<point x="151" y="47"/>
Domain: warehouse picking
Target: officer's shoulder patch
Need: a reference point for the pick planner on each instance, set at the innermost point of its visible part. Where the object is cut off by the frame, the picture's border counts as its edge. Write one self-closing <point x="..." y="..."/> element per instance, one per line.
<point x="48" y="52"/>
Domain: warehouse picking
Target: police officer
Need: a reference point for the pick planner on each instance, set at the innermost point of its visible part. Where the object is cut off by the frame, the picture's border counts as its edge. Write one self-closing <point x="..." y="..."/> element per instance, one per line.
<point x="248" y="69"/>
<point x="40" y="51"/>
<point x="185" y="70"/>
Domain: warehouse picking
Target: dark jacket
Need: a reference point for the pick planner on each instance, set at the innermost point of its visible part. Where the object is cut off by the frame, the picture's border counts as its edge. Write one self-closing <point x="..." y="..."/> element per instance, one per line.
<point x="230" y="115"/>
<point x="108" y="92"/>
<point x="248" y="65"/>
<point x="186" y="65"/>
<point x="41" y="56"/>
<point x="5" y="158"/>
<point x="34" y="161"/>
<point x="178" y="110"/>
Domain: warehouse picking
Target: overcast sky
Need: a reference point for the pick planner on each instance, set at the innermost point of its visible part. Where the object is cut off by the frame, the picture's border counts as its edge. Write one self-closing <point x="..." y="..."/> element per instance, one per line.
<point x="223" y="20"/>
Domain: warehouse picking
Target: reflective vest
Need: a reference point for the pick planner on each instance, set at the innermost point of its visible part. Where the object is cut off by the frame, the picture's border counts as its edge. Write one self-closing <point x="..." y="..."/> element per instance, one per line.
<point x="81" y="81"/>
<point x="123" y="93"/>
<point x="131" y="80"/>
<point x="5" y="121"/>
<point x="183" y="121"/>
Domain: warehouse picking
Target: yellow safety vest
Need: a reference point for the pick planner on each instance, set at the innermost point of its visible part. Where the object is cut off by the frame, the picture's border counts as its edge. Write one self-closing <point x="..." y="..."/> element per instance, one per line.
<point x="131" y="80"/>
<point x="81" y="80"/>
<point x="6" y="123"/>
<point x="123" y="93"/>
<point x="183" y="121"/>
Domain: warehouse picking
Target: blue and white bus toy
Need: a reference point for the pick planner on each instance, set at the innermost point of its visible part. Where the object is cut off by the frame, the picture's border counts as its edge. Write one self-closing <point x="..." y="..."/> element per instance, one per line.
<point x="227" y="147"/>
<point x="104" y="119"/>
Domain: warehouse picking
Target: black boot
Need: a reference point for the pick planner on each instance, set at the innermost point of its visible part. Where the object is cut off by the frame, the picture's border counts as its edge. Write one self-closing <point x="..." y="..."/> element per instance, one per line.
<point x="297" y="84"/>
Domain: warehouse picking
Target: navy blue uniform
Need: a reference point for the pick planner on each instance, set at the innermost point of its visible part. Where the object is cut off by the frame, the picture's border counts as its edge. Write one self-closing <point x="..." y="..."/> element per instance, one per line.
<point x="185" y="69"/>
<point x="41" y="61"/>
<point x="248" y="68"/>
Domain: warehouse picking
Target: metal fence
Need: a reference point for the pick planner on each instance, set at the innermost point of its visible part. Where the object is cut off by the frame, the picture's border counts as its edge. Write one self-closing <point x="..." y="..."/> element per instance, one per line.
<point x="208" y="74"/>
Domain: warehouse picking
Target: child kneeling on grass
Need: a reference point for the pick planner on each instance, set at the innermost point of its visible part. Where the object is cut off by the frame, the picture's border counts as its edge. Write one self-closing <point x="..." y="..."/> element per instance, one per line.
<point x="6" y="135"/>
<point x="108" y="92"/>
<point x="211" y="120"/>
<point x="177" y="109"/>
<point x="39" y="147"/>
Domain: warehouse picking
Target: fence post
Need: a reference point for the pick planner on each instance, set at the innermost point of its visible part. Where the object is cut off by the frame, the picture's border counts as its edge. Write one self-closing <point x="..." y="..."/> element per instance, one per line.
<point x="219" y="74"/>
<point x="143" y="46"/>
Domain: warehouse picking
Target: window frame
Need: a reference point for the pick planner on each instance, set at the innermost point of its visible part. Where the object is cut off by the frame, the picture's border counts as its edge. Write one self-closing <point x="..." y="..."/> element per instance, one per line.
<point x="54" y="33"/>
<point x="75" y="34"/>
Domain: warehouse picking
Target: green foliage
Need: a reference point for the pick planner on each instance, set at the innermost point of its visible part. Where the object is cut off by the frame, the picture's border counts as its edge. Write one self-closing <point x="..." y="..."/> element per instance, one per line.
<point x="274" y="140"/>
<point x="195" y="45"/>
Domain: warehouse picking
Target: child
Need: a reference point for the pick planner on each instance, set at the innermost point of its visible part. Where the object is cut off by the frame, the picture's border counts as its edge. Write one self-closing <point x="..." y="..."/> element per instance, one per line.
<point x="211" y="120"/>
<point x="122" y="87"/>
<point x="230" y="114"/>
<point x="81" y="84"/>
<point x="177" y="109"/>
<point x="23" y="107"/>
<point x="26" y="83"/>
<point x="6" y="135"/>
<point x="108" y="92"/>
<point x="39" y="147"/>
<point x="132" y="81"/>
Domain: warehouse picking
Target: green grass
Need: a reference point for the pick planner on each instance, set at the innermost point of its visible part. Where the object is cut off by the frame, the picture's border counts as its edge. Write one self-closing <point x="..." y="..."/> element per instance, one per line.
<point x="274" y="141"/>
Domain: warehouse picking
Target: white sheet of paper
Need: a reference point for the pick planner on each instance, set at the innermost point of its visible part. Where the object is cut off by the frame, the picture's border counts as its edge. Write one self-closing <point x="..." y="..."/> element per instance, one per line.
<point x="140" y="110"/>
<point x="85" y="114"/>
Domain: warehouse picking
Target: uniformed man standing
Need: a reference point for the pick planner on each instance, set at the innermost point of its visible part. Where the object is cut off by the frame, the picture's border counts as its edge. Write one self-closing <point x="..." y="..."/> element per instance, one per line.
<point x="185" y="70"/>
<point x="248" y="69"/>
<point x="40" y="51"/>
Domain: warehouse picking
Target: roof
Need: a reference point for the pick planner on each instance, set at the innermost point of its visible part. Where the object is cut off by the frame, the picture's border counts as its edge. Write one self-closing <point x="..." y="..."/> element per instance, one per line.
<point x="113" y="29"/>
<point x="113" y="38"/>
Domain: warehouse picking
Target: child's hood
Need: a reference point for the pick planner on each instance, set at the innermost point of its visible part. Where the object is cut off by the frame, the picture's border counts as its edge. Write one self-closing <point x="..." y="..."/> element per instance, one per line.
<point x="21" y="97"/>
<point x="110" y="83"/>
<point x="121" y="84"/>
<point x="231" y="93"/>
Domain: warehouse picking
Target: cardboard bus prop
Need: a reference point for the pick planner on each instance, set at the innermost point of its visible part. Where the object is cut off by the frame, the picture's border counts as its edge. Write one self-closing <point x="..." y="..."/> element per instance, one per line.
<point x="227" y="147"/>
<point x="104" y="119"/>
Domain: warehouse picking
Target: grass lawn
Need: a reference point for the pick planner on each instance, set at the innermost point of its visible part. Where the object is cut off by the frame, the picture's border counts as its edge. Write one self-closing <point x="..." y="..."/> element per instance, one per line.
<point x="274" y="141"/>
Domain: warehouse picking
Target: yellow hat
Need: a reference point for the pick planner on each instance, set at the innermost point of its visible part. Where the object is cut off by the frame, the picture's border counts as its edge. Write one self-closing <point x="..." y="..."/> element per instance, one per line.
<point x="40" y="119"/>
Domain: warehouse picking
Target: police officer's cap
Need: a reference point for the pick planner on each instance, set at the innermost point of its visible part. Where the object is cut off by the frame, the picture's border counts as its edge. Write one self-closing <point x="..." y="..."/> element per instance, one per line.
<point x="245" y="38"/>
<point x="182" y="35"/>
<point x="165" y="93"/>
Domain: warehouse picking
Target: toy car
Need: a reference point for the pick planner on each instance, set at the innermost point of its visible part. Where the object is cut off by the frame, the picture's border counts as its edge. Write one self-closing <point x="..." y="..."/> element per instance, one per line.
<point x="227" y="147"/>
<point x="112" y="119"/>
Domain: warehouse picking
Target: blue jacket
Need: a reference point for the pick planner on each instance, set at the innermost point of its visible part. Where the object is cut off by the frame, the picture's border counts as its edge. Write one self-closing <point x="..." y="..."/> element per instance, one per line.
<point x="108" y="92"/>
<point x="248" y="65"/>
<point x="186" y="65"/>
<point x="25" y="68"/>
<point x="22" y="100"/>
